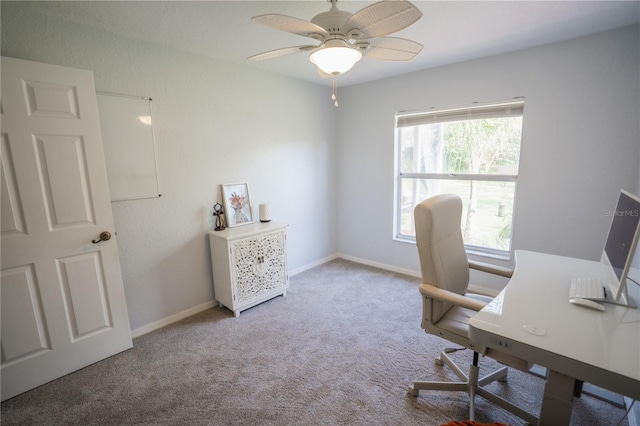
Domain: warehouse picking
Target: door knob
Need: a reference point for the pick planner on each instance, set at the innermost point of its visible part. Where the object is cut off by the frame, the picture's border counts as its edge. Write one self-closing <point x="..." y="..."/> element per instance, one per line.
<point x="104" y="236"/>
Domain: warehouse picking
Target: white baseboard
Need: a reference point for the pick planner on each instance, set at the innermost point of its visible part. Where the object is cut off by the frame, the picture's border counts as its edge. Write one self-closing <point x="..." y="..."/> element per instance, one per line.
<point x="384" y="266"/>
<point x="172" y="318"/>
<point x="472" y="288"/>
<point x="313" y="265"/>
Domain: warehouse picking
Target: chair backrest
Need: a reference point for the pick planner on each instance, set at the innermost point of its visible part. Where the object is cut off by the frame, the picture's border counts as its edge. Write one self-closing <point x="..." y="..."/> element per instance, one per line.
<point x="443" y="259"/>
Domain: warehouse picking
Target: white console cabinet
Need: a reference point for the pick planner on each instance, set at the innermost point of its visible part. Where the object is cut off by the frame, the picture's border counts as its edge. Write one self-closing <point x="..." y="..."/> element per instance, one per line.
<point x="249" y="264"/>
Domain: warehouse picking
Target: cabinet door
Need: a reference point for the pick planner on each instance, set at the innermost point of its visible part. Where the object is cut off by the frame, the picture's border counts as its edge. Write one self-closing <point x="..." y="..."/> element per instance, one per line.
<point x="258" y="265"/>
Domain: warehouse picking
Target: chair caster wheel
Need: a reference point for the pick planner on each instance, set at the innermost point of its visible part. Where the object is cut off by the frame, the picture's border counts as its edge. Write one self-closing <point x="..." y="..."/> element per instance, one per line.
<point x="413" y="392"/>
<point x="439" y="362"/>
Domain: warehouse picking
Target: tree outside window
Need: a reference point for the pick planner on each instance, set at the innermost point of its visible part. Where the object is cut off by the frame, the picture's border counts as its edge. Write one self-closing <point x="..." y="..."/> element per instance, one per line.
<point x="473" y="152"/>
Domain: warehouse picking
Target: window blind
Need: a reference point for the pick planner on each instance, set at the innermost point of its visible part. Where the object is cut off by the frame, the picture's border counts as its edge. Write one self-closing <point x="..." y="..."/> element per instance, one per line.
<point x="474" y="112"/>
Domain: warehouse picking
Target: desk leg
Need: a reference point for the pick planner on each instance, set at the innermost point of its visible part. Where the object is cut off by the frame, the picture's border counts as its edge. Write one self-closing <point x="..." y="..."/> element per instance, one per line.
<point x="558" y="400"/>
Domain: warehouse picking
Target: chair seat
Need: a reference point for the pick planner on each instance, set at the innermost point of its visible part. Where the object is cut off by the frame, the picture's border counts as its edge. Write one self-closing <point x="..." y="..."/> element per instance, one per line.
<point x="456" y="320"/>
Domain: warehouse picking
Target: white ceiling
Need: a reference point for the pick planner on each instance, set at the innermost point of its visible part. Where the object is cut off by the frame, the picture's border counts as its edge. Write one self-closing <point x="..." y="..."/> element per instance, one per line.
<point x="451" y="31"/>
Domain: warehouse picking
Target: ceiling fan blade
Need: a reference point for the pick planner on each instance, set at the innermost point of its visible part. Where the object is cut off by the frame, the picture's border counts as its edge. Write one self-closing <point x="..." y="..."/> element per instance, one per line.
<point x="392" y="49"/>
<point x="382" y="18"/>
<point x="280" y="52"/>
<point x="292" y="25"/>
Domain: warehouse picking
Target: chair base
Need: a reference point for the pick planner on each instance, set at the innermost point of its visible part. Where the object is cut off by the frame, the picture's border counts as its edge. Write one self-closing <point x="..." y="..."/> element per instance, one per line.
<point x="473" y="386"/>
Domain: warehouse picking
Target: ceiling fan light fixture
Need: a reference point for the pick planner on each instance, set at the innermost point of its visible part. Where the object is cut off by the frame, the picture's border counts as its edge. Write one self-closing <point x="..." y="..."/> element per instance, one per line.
<point x="345" y="37"/>
<point x="335" y="57"/>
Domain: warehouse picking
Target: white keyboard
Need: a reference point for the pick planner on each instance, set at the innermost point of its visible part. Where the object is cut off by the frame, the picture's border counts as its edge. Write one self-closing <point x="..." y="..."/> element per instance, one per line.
<point x="587" y="288"/>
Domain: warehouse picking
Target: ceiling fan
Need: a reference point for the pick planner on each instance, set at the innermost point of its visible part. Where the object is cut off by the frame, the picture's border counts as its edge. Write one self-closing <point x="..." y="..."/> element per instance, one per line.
<point x="344" y="38"/>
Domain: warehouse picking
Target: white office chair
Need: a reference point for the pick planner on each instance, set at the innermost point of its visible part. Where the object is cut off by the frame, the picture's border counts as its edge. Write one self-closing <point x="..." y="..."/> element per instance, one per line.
<point x="446" y="305"/>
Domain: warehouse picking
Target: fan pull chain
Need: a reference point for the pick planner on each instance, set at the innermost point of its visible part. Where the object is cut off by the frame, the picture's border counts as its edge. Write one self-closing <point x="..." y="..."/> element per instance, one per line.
<point x="334" y="94"/>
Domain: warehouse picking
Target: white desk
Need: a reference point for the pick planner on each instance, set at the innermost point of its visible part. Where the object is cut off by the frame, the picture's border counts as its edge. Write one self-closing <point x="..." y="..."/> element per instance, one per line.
<point x="602" y="348"/>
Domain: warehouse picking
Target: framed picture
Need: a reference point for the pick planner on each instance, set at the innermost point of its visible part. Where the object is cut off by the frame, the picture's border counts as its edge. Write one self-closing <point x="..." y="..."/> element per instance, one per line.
<point x="237" y="204"/>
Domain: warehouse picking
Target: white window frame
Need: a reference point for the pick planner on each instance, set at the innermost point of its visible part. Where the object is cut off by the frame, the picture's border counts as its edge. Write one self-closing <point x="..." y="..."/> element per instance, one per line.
<point x="511" y="108"/>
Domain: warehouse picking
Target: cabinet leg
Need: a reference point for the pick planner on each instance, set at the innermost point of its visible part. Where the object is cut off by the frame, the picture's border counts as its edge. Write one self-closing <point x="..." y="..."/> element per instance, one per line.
<point x="236" y="314"/>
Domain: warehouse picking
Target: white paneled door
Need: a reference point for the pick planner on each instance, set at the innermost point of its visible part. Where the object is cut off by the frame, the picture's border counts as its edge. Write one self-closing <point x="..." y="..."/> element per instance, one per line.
<point x="62" y="298"/>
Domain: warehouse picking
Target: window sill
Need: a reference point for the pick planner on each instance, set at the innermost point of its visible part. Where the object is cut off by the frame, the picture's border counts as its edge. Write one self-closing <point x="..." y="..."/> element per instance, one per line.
<point x="498" y="256"/>
<point x="474" y="251"/>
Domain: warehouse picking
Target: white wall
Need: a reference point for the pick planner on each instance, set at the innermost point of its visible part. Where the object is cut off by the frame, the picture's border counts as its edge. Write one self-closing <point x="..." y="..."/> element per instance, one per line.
<point x="216" y="123"/>
<point x="213" y="123"/>
<point x="580" y="142"/>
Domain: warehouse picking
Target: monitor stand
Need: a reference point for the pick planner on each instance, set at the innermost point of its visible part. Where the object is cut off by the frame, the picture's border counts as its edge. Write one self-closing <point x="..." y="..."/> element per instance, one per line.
<point x="624" y="299"/>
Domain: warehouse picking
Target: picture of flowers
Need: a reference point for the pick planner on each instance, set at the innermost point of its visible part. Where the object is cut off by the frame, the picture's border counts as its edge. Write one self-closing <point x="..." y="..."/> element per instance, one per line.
<point x="237" y="204"/>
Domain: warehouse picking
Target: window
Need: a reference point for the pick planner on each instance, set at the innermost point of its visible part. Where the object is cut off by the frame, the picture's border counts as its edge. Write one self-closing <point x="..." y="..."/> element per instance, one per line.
<point x="473" y="152"/>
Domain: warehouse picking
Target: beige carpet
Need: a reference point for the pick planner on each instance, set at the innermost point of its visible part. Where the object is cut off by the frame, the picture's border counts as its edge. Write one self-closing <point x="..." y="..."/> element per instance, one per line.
<point x="341" y="348"/>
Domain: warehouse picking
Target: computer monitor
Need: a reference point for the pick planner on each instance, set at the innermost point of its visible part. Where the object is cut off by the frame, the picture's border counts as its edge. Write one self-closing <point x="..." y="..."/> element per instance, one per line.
<point x="621" y="244"/>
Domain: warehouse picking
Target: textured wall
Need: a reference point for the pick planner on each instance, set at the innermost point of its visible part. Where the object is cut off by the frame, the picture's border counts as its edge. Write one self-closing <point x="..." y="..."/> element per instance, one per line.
<point x="213" y="123"/>
<point x="580" y="142"/>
